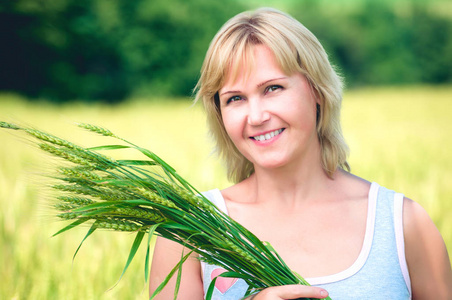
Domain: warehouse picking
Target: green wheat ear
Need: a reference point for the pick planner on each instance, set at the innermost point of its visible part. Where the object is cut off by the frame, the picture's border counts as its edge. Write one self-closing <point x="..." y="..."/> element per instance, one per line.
<point x="9" y="126"/>
<point x="97" y="129"/>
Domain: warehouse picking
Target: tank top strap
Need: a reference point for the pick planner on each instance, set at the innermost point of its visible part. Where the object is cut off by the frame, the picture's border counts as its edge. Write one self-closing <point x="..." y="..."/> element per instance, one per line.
<point x="387" y="255"/>
<point x="382" y="274"/>
<point x="216" y="198"/>
<point x="400" y="240"/>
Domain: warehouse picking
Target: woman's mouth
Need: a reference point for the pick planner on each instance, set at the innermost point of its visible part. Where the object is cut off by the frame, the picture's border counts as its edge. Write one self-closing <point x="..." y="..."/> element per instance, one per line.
<point x="267" y="136"/>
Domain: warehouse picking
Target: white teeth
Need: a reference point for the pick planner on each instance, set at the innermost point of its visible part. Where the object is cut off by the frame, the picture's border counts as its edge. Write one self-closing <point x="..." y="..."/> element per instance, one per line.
<point x="267" y="136"/>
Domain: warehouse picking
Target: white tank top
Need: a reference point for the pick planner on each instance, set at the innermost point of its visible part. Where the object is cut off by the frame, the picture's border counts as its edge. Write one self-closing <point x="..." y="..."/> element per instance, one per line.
<point x="379" y="272"/>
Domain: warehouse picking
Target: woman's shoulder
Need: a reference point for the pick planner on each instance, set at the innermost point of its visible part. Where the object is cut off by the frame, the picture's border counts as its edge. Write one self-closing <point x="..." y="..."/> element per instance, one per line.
<point x="426" y="253"/>
<point x="419" y="229"/>
<point x="350" y="186"/>
<point x="238" y="192"/>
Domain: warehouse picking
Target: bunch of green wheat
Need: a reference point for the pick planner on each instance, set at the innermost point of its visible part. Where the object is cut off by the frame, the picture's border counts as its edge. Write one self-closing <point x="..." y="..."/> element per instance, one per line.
<point x="148" y="197"/>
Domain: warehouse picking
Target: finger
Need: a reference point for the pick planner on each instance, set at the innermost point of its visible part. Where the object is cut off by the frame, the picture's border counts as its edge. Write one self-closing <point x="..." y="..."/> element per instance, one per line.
<point x="298" y="291"/>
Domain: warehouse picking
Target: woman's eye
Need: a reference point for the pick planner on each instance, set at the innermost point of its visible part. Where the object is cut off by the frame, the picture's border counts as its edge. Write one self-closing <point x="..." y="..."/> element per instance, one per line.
<point x="234" y="99"/>
<point x="272" y="88"/>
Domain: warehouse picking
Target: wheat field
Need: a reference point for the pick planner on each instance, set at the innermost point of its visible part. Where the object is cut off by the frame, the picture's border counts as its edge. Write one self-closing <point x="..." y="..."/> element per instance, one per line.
<point x="399" y="137"/>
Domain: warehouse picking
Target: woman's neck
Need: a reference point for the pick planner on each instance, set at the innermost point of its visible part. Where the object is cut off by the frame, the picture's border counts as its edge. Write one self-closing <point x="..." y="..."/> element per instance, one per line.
<point x="290" y="184"/>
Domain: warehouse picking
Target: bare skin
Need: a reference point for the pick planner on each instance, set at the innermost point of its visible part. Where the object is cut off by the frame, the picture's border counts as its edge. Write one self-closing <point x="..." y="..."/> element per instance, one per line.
<point x="426" y="254"/>
<point x="290" y="199"/>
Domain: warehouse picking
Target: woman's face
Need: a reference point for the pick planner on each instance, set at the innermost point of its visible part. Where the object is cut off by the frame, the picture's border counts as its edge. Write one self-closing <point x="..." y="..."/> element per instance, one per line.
<point x="269" y="115"/>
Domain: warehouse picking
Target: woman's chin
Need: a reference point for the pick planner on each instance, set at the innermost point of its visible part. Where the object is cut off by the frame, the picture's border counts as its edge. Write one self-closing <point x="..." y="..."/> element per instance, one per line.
<point x="270" y="164"/>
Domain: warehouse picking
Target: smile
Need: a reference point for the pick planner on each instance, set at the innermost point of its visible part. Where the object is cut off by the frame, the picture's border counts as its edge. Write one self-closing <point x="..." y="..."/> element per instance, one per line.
<point x="267" y="136"/>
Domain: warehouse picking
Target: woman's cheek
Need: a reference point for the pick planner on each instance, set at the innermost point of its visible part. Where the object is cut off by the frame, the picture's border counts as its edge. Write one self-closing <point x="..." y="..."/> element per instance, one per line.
<point x="231" y="121"/>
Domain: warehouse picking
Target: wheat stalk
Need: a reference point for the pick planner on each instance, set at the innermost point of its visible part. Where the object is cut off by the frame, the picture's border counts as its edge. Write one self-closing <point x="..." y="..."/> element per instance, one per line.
<point x="149" y="197"/>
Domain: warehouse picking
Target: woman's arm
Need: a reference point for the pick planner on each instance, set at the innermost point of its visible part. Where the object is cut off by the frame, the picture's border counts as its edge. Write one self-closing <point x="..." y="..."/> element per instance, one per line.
<point x="166" y="255"/>
<point x="426" y="255"/>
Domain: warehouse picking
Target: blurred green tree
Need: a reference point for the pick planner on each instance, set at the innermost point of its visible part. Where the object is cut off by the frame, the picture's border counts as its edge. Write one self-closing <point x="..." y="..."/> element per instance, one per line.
<point x="106" y="49"/>
<point x="383" y="42"/>
<point x="112" y="49"/>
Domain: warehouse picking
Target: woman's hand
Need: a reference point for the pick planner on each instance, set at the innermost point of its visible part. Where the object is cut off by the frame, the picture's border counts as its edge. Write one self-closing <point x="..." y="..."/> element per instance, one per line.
<point x="290" y="292"/>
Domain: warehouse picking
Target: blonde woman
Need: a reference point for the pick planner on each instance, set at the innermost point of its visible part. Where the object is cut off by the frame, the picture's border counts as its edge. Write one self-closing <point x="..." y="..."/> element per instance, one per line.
<point x="273" y="103"/>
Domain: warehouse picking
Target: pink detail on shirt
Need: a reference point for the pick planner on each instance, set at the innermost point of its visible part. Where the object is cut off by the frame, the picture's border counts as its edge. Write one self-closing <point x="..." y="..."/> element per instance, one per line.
<point x="223" y="284"/>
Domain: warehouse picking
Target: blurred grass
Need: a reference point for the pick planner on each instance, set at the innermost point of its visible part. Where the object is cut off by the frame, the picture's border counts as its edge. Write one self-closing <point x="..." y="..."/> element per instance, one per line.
<point x="399" y="137"/>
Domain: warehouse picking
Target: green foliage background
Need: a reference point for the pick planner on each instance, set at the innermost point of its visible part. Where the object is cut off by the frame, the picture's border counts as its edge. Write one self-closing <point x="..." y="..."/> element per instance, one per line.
<point x="110" y="50"/>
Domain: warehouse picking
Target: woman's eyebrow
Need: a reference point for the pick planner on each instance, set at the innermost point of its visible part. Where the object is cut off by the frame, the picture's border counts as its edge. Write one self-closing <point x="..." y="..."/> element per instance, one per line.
<point x="230" y="92"/>
<point x="259" y="85"/>
<point x="270" y="80"/>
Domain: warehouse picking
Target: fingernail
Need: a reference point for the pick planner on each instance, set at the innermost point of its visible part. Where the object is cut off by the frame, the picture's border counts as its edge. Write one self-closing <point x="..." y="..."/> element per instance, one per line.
<point x="323" y="293"/>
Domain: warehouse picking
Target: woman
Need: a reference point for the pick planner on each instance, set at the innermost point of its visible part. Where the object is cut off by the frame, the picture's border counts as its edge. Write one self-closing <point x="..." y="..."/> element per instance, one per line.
<point x="273" y="100"/>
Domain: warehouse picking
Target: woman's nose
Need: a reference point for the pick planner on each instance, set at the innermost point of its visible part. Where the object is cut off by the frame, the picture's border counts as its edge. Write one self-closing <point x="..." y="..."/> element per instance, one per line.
<point x="257" y="113"/>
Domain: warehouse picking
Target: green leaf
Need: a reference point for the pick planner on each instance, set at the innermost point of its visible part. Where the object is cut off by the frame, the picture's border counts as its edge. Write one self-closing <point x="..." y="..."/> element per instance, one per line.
<point x="90" y="231"/>
<point x="131" y="162"/>
<point x="174" y="225"/>
<point x="157" y="159"/>
<point x="138" y="202"/>
<point x="72" y="225"/>
<point x="151" y="243"/>
<point x="136" y="244"/>
<point x="179" y="278"/>
<point x="210" y="289"/>
<point x="270" y="247"/>
<point x="168" y="277"/>
<point x="108" y="147"/>
<point x="249" y="292"/>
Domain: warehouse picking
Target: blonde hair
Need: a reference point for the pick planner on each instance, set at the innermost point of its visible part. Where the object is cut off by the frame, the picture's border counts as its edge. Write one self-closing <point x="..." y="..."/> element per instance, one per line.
<point x="296" y="50"/>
